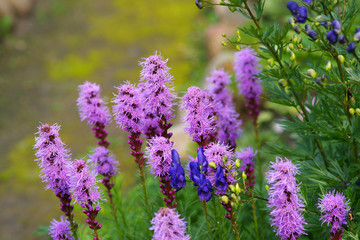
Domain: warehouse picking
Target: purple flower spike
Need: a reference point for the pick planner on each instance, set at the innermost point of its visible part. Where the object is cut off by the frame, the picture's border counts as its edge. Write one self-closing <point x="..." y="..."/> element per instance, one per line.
<point x="228" y="123"/>
<point x="60" y="230"/>
<point x="128" y="112"/>
<point x="220" y="184"/>
<point x="176" y="171"/>
<point x="334" y="208"/>
<point x="247" y="156"/>
<point x="104" y="162"/>
<point x="284" y="201"/>
<point x="167" y="225"/>
<point x="246" y="66"/>
<point x="91" y="106"/>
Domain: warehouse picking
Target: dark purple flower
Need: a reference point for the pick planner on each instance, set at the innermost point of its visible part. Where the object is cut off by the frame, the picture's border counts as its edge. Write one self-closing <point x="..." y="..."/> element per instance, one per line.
<point x="194" y="172"/>
<point x="332" y="36"/>
<point x="307" y="1"/>
<point x="313" y="34"/>
<point x="176" y="171"/>
<point x="351" y="47"/>
<point x="293" y="7"/>
<point x="221" y="183"/>
<point x="326" y="24"/>
<point x="202" y="160"/>
<point x="60" y="230"/>
<point x="199" y="3"/>
<point x="336" y="26"/>
<point x="168" y="225"/>
<point x="301" y="17"/>
<point x="205" y="188"/>
<point x="342" y="39"/>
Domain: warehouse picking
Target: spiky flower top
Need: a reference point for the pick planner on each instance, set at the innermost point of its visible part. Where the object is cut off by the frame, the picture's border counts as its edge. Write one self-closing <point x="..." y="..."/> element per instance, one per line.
<point x="60" y="230"/>
<point x="53" y="159"/>
<point x="284" y="201"/>
<point x="200" y="117"/>
<point x="91" y="106"/>
<point x="83" y="184"/>
<point x="158" y="155"/>
<point x="245" y="67"/>
<point x="222" y="156"/>
<point x="157" y="95"/>
<point x="247" y="155"/>
<point x="228" y="123"/>
<point x="167" y="225"/>
<point x="104" y="161"/>
<point x="128" y="112"/>
<point x="334" y="208"/>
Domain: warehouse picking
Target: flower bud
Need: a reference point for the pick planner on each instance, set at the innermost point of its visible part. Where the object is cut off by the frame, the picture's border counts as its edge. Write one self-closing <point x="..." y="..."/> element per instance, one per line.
<point x="282" y="82"/>
<point x="332" y="37"/>
<point x="238" y="47"/>
<point x="237" y="163"/>
<point x="351" y="111"/>
<point x="295" y="38"/>
<point x="357" y="110"/>
<point x="311" y="73"/>
<point x="225" y="199"/>
<point x="224" y="44"/>
<point x="212" y="165"/>
<point x="224" y="35"/>
<point x="232" y="188"/>
<point x="233" y="196"/>
<point x="291" y="46"/>
<point x="342" y="39"/>
<point x="336" y="26"/>
<point x="341" y="58"/>
<point x="292" y="56"/>
<point x="244" y="176"/>
<point x="351" y="47"/>
<point x="328" y="66"/>
<point x="267" y="187"/>
<point x="271" y="62"/>
<point x="238" y="40"/>
<point x="357" y="37"/>
<point x="237" y="189"/>
<point x="291" y="21"/>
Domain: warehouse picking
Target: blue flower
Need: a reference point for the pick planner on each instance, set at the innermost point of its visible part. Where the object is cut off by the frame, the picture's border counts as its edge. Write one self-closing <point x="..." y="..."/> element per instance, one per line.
<point x="332" y="36"/>
<point x="195" y="173"/>
<point x="342" y="39"/>
<point x="299" y="13"/>
<point x="307" y="1"/>
<point x="336" y="26"/>
<point x="293" y="7"/>
<point x="176" y="171"/>
<point x="351" y="47"/>
<point x="313" y="34"/>
<point x="357" y="35"/>
<point x="205" y="188"/>
<point x="202" y="160"/>
<point x="221" y="183"/>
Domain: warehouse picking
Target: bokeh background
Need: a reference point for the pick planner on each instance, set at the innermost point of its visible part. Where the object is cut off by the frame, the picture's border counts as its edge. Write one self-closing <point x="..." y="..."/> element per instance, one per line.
<point x="49" y="47"/>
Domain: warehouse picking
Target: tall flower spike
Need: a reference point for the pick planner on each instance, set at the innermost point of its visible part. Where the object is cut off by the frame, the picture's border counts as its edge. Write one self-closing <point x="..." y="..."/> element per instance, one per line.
<point x="200" y="117"/>
<point x="245" y="67"/>
<point x="334" y="208"/>
<point x="60" y="230"/>
<point x="247" y="156"/>
<point x="284" y="201"/>
<point x="167" y="225"/>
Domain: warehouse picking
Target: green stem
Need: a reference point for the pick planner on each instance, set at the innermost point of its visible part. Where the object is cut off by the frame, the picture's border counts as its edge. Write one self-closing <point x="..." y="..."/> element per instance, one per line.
<point x="73" y="226"/>
<point x="207" y="218"/>
<point x="114" y="212"/>
<point x="217" y="219"/>
<point x="255" y="218"/>
<point x="142" y="175"/>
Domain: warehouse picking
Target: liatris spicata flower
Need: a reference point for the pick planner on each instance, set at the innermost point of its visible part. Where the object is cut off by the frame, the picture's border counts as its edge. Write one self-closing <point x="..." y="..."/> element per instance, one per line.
<point x="220" y="155"/>
<point x="334" y="208"/>
<point x="157" y="96"/>
<point x="200" y="107"/>
<point x="228" y="123"/>
<point x="167" y="225"/>
<point x="247" y="155"/>
<point x="176" y="171"/>
<point x="284" y="201"/>
<point x="159" y="159"/>
<point x="86" y="192"/>
<point x="245" y="67"/>
<point x="92" y="108"/>
<point x="60" y="230"/>
<point x="105" y="163"/>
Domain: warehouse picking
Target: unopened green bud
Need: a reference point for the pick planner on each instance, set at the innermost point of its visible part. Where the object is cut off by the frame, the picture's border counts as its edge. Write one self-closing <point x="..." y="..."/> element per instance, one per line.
<point x="341" y="58"/>
<point x="234" y="205"/>
<point x="328" y="66"/>
<point x="238" y="33"/>
<point x="237" y="189"/>
<point x="233" y="196"/>
<point x="311" y="73"/>
<point x="291" y="21"/>
<point x="317" y="24"/>
<point x="292" y="56"/>
<point x="232" y="188"/>
<point x="267" y="187"/>
<point x="351" y="111"/>
<point x="295" y="39"/>
<point x="225" y="199"/>
<point x="244" y="175"/>
<point x="237" y="163"/>
<point x="300" y="40"/>
<point x="212" y="165"/>
<point x="291" y="46"/>
<point x="271" y="62"/>
<point x="238" y="39"/>
<point x="357" y="110"/>
<point x="224" y="44"/>
<point x="225" y="159"/>
<point x="283" y="82"/>
<point x="224" y="35"/>
<point x="238" y="47"/>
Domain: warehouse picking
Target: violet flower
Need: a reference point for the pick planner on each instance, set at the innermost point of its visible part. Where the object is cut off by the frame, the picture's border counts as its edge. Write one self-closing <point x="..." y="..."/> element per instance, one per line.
<point x="247" y="156"/>
<point x="176" y="171"/>
<point x="167" y="225"/>
<point x="194" y="172"/>
<point x="246" y="67"/>
<point x="334" y="208"/>
<point x="228" y="124"/>
<point x="104" y="161"/>
<point x="204" y="188"/>
<point x="284" y="201"/>
<point x="60" y="230"/>
<point x="220" y="184"/>
<point x="201" y="158"/>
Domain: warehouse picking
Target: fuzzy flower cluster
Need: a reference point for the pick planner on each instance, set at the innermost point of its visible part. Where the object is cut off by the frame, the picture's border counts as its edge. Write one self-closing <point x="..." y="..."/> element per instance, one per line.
<point x="157" y="96"/>
<point x="91" y="106"/>
<point x="60" y="230"/>
<point x="53" y="159"/>
<point x="246" y="66"/>
<point x="84" y="184"/>
<point x="167" y="225"/>
<point x="200" y="107"/>
<point x="128" y="112"/>
<point x="222" y="156"/>
<point x="104" y="161"/>
<point x="247" y="156"/>
<point x="284" y="201"/>
<point x="159" y="156"/>
<point x="334" y="208"/>
<point x="228" y="123"/>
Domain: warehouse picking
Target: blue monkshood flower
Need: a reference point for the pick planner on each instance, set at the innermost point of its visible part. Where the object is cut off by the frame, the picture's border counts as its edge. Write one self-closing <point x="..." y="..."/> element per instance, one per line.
<point x="326" y="24"/>
<point x="176" y="171"/>
<point x="307" y="27"/>
<point x="195" y="173"/>
<point x="351" y="47"/>
<point x="307" y="1"/>
<point x="332" y="36"/>
<point x="202" y="160"/>
<point x="293" y="7"/>
<point x="342" y="39"/>
<point x="221" y="183"/>
<point x="205" y="188"/>
<point x="336" y="26"/>
<point x="357" y="35"/>
<point x="313" y="34"/>
<point x="299" y="13"/>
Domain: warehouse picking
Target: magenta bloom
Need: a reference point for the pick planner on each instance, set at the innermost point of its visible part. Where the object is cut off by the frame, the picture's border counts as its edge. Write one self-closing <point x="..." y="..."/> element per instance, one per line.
<point x="334" y="208"/>
<point x="200" y="107"/>
<point x="128" y="110"/>
<point x="158" y="155"/>
<point x="60" y="230"/>
<point x="105" y="163"/>
<point x="216" y="153"/>
<point x="245" y="67"/>
<point x="91" y="106"/>
<point x="228" y="124"/>
<point x="53" y="159"/>
<point x="167" y="225"/>
<point x="247" y="155"/>
<point x="83" y="184"/>
<point x="284" y="201"/>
